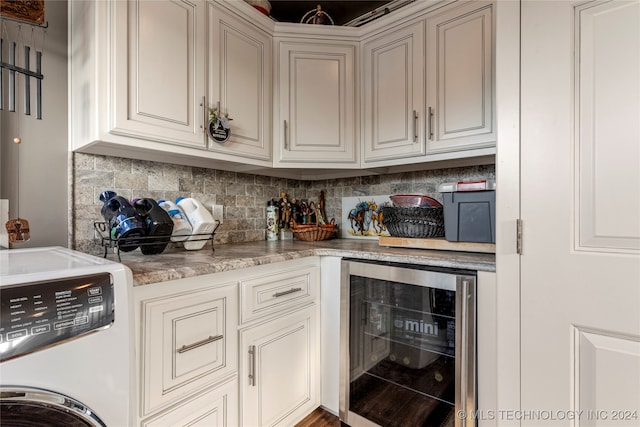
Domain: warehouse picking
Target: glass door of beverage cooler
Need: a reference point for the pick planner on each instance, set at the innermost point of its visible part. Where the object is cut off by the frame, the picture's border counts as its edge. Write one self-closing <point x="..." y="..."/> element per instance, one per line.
<point x="407" y="346"/>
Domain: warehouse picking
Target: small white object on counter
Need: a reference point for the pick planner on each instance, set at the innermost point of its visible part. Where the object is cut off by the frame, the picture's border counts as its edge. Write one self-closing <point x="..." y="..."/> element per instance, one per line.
<point x="181" y="226"/>
<point x="201" y="221"/>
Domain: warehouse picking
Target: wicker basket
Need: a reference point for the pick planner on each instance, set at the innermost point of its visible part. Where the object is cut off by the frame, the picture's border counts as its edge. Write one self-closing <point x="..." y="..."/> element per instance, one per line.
<point x="414" y="222"/>
<point x="314" y="232"/>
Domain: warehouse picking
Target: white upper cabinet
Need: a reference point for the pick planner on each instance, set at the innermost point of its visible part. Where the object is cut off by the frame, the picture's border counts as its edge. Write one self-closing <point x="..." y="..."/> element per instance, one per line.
<point x="315" y="124"/>
<point x="393" y="94"/>
<point x="159" y="84"/>
<point x="460" y="79"/>
<point x="144" y="74"/>
<point x="240" y="83"/>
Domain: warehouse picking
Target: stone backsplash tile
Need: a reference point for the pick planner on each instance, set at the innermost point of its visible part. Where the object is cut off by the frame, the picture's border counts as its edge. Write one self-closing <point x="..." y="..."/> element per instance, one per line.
<point x="244" y="196"/>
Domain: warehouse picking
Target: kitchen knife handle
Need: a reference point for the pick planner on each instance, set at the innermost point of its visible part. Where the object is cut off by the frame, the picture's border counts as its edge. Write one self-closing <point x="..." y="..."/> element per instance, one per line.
<point x="284" y="134"/>
<point x="252" y="365"/>
<point x="415" y="126"/>
<point x="431" y="114"/>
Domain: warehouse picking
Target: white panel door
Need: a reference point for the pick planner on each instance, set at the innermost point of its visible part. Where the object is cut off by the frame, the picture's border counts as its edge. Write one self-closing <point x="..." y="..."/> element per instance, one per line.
<point x="393" y="95"/>
<point x="160" y="80"/>
<point x="580" y="205"/>
<point x="240" y="84"/>
<point x="317" y="104"/>
<point x="460" y="94"/>
<point x="279" y="377"/>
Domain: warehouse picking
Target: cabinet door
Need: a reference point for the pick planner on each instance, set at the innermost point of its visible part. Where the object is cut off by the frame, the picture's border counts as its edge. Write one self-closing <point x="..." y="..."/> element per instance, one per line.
<point x="240" y="84"/>
<point x="279" y="369"/>
<point x="317" y="104"/>
<point x="160" y="72"/>
<point x="393" y="95"/>
<point x="217" y="407"/>
<point x="188" y="342"/>
<point x="460" y="93"/>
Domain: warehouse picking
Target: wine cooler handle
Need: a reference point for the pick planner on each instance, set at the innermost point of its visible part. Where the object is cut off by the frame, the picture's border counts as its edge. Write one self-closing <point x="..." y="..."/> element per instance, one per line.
<point x="463" y="349"/>
<point x="466" y="368"/>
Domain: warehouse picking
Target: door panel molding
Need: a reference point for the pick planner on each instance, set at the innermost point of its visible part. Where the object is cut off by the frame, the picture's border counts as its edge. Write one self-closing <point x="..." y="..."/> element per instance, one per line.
<point x="606" y="377"/>
<point x="606" y="148"/>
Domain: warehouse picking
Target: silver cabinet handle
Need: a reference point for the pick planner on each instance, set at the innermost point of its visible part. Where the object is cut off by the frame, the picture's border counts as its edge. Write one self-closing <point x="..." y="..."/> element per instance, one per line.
<point x="205" y="117"/>
<point x="431" y="114"/>
<point x="197" y="344"/>
<point x="252" y="365"/>
<point x="283" y="293"/>
<point x="284" y="135"/>
<point x="415" y="126"/>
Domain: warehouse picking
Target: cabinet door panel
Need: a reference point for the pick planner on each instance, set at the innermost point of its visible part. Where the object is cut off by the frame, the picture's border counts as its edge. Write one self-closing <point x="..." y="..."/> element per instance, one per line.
<point x="391" y="112"/>
<point x="394" y="95"/>
<point x="217" y="407"/>
<point x="285" y="366"/>
<point x="240" y="84"/>
<point x="188" y="342"/>
<point x="315" y="96"/>
<point x="161" y="99"/>
<point x="460" y="79"/>
<point x="317" y="118"/>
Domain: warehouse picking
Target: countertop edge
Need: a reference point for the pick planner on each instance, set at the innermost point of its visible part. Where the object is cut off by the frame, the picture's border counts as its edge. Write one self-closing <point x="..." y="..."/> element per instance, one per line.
<point x="185" y="264"/>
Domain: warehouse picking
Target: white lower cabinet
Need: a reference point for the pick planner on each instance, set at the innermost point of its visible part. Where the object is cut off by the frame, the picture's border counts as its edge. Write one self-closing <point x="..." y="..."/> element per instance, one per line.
<point x="279" y="372"/>
<point x="186" y="346"/>
<point x="215" y="407"/>
<point x="187" y="340"/>
<point x="279" y="369"/>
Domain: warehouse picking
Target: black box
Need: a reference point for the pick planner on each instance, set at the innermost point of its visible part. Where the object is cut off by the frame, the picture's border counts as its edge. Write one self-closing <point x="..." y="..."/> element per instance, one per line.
<point x="469" y="216"/>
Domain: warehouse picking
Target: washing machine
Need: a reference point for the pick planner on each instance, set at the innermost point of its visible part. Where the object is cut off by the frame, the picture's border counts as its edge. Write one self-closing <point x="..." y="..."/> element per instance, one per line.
<point x="66" y="340"/>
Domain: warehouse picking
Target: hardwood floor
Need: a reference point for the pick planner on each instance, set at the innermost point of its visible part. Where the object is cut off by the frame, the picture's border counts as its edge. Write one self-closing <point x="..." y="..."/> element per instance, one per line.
<point x="319" y="418"/>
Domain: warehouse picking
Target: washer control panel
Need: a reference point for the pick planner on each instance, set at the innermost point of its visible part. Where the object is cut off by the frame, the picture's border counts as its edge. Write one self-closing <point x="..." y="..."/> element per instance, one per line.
<point x="34" y="316"/>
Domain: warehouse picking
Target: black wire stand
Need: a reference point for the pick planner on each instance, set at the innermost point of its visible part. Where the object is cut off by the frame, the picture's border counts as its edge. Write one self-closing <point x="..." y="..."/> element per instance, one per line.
<point x="105" y="240"/>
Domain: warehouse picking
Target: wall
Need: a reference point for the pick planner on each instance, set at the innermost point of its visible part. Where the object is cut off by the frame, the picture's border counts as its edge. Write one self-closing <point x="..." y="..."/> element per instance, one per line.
<point x="244" y="196"/>
<point x="41" y="161"/>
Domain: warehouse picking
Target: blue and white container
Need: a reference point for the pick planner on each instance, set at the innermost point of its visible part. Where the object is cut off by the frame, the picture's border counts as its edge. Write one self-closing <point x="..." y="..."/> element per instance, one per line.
<point x="181" y="226"/>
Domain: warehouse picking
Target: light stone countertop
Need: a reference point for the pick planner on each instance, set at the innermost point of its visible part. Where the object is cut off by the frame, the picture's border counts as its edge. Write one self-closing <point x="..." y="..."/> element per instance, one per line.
<point x="179" y="263"/>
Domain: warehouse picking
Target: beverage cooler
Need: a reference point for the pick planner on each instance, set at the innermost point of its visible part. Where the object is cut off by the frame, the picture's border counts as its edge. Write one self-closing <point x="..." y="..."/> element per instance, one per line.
<point x="407" y="344"/>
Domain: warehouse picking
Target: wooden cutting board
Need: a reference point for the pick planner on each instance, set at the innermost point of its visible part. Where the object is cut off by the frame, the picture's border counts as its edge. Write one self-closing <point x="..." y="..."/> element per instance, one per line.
<point x="437" y="244"/>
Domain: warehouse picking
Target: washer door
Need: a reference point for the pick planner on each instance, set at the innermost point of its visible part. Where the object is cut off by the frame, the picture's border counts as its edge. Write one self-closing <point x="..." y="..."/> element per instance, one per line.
<point x="25" y="407"/>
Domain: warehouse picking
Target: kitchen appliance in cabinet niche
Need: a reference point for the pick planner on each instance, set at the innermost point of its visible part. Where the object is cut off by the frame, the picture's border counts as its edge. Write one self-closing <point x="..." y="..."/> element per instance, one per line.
<point x="407" y="344"/>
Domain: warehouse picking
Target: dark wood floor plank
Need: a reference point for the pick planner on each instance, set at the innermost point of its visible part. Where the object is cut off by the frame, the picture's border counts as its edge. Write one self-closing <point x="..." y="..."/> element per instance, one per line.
<point x="319" y="418"/>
